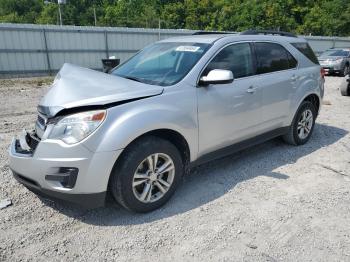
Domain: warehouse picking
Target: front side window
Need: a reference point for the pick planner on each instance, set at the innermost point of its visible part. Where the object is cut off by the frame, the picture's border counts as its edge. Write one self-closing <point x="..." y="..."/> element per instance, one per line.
<point x="236" y="58"/>
<point x="162" y="63"/>
<point x="273" y="57"/>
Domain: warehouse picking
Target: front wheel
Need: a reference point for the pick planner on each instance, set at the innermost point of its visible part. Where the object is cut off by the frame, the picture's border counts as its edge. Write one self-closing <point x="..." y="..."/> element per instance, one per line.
<point x="345" y="71"/>
<point x="302" y="126"/>
<point x="147" y="174"/>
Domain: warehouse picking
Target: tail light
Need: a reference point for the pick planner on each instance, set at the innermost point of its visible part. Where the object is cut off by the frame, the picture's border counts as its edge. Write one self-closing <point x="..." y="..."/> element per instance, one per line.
<point x="323" y="72"/>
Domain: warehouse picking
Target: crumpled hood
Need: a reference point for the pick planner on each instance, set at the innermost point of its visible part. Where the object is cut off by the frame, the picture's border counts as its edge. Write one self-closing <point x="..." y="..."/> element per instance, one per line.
<point x="76" y="86"/>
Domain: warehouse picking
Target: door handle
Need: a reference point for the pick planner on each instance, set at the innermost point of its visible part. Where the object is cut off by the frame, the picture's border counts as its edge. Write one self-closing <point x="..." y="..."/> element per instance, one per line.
<point x="251" y="90"/>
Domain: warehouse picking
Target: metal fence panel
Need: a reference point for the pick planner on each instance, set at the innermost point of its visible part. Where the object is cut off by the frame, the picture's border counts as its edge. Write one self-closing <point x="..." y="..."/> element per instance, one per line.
<point x="43" y="49"/>
<point x="322" y="43"/>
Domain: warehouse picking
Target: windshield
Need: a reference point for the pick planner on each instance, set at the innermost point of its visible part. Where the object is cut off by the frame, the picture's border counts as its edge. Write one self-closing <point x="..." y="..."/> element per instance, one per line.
<point x="335" y="53"/>
<point x="162" y="63"/>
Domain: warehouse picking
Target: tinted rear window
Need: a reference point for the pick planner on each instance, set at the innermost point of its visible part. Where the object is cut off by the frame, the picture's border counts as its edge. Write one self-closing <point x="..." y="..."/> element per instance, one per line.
<point x="307" y="51"/>
<point x="273" y="57"/>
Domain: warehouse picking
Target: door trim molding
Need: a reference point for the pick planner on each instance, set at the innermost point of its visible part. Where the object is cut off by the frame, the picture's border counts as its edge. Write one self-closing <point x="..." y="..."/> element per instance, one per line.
<point x="220" y="153"/>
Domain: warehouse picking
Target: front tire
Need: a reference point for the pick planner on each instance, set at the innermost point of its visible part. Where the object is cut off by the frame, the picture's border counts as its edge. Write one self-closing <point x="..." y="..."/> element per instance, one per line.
<point x="302" y="126"/>
<point x="147" y="174"/>
<point x="345" y="71"/>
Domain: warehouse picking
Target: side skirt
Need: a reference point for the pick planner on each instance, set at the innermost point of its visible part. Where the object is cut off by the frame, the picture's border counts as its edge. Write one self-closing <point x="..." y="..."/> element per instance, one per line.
<point x="239" y="146"/>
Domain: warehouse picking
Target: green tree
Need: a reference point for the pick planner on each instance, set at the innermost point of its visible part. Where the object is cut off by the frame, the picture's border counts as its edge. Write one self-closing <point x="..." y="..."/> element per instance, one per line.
<point x="132" y="13"/>
<point x="317" y="17"/>
<point x="19" y="11"/>
<point x="327" y="18"/>
<point x="173" y="15"/>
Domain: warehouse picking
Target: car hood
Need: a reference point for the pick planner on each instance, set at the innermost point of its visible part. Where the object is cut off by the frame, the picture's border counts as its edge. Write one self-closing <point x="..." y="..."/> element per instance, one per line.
<point x="76" y="86"/>
<point x="323" y="58"/>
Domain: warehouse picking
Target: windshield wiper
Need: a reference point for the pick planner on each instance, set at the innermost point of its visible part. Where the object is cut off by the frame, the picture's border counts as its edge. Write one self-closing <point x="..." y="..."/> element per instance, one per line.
<point x="133" y="78"/>
<point x="141" y="80"/>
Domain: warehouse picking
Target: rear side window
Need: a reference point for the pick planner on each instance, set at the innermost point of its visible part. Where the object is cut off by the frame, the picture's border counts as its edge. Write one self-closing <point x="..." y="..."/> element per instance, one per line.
<point x="273" y="57"/>
<point x="307" y="51"/>
<point x="236" y="57"/>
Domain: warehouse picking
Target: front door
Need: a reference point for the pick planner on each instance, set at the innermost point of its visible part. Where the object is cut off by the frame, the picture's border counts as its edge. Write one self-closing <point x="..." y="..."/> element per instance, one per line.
<point x="229" y="113"/>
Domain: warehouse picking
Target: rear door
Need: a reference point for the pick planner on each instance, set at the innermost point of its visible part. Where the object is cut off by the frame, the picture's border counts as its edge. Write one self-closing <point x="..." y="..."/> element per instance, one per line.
<point x="278" y="80"/>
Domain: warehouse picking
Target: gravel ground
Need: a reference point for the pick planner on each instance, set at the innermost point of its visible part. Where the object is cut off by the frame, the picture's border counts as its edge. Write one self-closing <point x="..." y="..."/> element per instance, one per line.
<point x="273" y="202"/>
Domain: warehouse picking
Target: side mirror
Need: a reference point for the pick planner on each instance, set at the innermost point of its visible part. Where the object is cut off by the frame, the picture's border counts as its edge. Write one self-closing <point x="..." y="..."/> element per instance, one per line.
<point x="217" y="76"/>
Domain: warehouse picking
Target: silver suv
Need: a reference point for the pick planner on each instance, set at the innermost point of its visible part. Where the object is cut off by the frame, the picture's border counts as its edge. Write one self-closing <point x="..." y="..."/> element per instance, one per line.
<point x="177" y="103"/>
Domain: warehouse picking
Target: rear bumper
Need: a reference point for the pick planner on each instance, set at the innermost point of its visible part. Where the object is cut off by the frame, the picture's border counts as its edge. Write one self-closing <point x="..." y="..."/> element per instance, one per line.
<point x="89" y="201"/>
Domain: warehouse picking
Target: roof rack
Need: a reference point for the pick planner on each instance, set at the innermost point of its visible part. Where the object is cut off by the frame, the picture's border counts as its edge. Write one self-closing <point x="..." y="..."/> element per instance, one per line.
<point x="340" y="47"/>
<point x="210" y="33"/>
<point x="267" y="32"/>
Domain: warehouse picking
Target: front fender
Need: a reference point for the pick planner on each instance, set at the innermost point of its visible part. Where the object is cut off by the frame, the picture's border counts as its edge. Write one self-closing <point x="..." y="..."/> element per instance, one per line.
<point x="127" y="122"/>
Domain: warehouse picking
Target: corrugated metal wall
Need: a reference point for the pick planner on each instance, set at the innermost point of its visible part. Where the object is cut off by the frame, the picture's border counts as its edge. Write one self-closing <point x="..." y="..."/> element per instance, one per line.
<point x="322" y="43"/>
<point x="42" y="49"/>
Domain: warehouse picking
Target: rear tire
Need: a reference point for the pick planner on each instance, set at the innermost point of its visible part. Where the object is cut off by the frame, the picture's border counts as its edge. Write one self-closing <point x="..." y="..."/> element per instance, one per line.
<point x="147" y="174"/>
<point x="302" y="126"/>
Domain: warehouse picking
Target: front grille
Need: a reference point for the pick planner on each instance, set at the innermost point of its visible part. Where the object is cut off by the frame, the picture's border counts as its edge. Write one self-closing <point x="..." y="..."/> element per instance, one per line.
<point x="40" y="125"/>
<point x="32" y="140"/>
<point x="41" y="120"/>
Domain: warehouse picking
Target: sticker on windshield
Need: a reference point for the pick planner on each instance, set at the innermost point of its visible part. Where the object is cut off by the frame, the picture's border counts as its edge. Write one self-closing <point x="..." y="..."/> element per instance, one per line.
<point x="187" y="48"/>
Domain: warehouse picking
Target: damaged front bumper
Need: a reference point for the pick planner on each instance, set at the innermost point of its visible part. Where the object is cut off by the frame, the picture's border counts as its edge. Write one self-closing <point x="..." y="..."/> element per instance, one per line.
<point x="61" y="172"/>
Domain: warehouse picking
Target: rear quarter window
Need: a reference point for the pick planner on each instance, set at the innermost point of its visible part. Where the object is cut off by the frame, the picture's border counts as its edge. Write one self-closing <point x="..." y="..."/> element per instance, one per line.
<point x="306" y="50"/>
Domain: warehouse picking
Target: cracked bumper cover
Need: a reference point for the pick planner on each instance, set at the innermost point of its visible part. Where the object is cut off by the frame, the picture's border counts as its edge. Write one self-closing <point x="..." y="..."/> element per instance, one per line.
<point x="32" y="169"/>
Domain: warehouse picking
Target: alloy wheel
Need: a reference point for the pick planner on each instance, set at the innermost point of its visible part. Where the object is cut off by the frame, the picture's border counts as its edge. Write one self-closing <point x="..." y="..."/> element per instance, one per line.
<point x="305" y="124"/>
<point x="153" y="177"/>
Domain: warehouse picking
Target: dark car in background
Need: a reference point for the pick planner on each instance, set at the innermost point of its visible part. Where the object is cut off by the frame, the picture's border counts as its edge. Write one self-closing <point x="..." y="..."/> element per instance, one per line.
<point x="336" y="60"/>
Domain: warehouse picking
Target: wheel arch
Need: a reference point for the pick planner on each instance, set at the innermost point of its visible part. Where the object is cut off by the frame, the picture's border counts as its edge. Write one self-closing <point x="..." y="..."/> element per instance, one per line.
<point x="315" y="100"/>
<point x="312" y="97"/>
<point x="174" y="137"/>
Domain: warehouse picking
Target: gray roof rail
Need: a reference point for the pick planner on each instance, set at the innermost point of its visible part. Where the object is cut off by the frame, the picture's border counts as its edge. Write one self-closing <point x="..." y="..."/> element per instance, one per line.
<point x="267" y="32"/>
<point x="210" y="33"/>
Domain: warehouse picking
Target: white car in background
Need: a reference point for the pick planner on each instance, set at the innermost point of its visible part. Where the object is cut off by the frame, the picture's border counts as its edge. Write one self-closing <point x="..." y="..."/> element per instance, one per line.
<point x="336" y="60"/>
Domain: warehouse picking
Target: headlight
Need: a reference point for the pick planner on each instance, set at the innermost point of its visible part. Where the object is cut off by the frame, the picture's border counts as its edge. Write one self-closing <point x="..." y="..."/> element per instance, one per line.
<point x="74" y="128"/>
